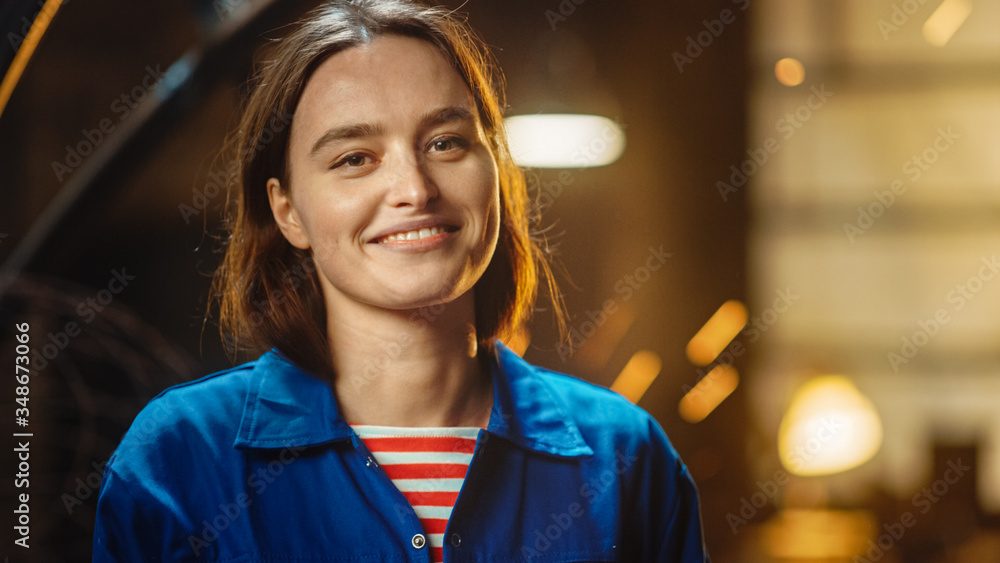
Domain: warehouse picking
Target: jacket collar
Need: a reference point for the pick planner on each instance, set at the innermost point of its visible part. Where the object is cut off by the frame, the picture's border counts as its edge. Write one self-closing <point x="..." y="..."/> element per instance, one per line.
<point x="527" y="411"/>
<point x="288" y="407"/>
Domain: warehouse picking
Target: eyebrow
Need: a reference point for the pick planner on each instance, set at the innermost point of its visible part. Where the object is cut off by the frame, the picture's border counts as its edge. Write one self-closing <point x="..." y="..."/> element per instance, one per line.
<point x="359" y="130"/>
<point x="353" y="131"/>
<point x="446" y="115"/>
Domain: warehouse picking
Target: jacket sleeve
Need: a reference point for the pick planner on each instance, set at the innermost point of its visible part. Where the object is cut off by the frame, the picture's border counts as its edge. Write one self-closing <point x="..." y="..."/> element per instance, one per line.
<point x="667" y="503"/>
<point x="122" y="531"/>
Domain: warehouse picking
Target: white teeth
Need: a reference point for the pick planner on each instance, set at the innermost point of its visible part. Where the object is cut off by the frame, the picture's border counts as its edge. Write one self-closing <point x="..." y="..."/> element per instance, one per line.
<point x="414" y="235"/>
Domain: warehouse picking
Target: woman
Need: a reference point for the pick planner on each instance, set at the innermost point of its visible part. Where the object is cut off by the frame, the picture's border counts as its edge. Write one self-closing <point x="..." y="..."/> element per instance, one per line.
<point x="380" y="251"/>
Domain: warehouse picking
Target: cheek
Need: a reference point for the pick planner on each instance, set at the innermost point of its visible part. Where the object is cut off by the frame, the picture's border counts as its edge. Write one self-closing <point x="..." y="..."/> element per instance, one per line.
<point x="489" y="191"/>
<point x="332" y="221"/>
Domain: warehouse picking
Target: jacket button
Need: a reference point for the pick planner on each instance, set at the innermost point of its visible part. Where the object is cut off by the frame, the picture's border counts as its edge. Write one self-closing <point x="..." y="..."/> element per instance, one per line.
<point x="456" y="540"/>
<point x="419" y="541"/>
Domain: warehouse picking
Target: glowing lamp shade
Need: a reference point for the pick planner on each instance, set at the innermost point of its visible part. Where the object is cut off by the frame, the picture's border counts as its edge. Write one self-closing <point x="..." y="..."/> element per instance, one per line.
<point x="830" y="427"/>
<point x="564" y="140"/>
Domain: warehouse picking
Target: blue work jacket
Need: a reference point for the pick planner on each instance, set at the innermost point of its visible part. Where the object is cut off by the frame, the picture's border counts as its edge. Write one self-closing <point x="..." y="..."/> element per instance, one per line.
<point x="257" y="464"/>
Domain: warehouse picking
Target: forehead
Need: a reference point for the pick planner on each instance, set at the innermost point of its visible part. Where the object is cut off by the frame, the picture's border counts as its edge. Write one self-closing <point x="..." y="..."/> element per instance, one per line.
<point x="389" y="80"/>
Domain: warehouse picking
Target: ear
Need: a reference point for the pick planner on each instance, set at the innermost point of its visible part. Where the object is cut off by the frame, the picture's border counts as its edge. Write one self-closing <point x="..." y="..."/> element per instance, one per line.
<point x="285" y="215"/>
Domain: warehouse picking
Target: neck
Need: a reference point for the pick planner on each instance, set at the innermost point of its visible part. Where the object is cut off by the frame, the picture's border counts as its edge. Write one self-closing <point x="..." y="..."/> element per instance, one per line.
<point x="409" y="368"/>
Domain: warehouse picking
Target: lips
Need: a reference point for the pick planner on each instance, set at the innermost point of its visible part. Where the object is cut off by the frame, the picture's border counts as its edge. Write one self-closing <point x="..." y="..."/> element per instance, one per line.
<point x="413" y="231"/>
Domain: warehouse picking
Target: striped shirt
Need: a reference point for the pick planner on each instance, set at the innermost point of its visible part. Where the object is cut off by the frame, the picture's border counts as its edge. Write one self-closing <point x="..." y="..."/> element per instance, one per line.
<point x="428" y="466"/>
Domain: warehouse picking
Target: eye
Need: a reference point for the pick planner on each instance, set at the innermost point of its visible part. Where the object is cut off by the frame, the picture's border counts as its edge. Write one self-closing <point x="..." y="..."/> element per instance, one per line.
<point x="446" y="144"/>
<point x="352" y="160"/>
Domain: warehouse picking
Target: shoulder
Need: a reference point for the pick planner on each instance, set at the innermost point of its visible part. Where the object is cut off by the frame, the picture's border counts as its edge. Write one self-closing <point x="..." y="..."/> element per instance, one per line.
<point x="606" y="420"/>
<point x="592" y="405"/>
<point x="189" y="416"/>
<point x="611" y="424"/>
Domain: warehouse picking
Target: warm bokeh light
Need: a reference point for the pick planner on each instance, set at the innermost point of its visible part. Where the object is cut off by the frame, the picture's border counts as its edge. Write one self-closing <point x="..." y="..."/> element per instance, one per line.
<point x="564" y="140"/>
<point x="945" y="21"/>
<point x="717" y="333"/>
<point x="799" y="534"/>
<point x="709" y="393"/>
<point x="830" y="427"/>
<point x="637" y="375"/>
<point x="789" y="71"/>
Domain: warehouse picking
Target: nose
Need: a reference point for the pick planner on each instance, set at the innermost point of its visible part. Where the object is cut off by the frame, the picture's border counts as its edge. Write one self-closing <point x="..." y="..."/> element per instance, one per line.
<point x="410" y="185"/>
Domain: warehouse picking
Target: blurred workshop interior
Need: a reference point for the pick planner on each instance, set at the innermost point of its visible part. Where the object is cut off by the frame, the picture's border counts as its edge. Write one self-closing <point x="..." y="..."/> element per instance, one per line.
<point x="775" y="224"/>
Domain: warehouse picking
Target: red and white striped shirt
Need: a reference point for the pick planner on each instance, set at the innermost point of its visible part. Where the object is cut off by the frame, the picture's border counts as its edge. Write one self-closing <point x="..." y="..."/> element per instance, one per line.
<point x="428" y="465"/>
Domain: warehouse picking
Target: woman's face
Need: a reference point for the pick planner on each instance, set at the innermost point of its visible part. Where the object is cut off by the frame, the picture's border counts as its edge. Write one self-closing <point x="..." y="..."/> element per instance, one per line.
<point x="392" y="184"/>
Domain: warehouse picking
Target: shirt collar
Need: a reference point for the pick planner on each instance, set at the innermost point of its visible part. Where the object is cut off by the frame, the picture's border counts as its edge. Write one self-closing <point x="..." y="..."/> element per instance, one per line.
<point x="288" y="407"/>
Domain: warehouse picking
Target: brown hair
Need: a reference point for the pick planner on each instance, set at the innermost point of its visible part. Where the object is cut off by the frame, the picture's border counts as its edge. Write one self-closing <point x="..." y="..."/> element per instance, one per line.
<point x="267" y="290"/>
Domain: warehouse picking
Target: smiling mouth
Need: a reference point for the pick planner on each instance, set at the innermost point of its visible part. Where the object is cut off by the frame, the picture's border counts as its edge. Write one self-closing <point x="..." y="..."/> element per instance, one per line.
<point x="415" y="234"/>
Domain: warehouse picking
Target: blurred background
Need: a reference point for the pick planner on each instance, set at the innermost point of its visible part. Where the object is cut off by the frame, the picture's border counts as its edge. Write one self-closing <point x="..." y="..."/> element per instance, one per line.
<point x="781" y="240"/>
